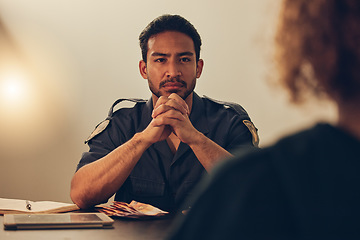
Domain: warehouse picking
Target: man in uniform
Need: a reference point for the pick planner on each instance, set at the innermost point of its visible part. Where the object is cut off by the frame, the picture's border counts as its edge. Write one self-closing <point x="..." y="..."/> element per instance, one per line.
<point x="158" y="150"/>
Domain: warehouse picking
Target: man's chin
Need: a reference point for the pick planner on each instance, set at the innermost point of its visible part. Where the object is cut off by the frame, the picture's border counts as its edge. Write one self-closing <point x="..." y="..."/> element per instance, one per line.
<point x="182" y="94"/>
<point x="168" y="93"/>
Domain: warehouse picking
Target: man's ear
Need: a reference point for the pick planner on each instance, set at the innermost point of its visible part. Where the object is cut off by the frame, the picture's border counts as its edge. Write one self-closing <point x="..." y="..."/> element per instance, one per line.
<point x="199" y="68"/>
<point x="143" y="69"/>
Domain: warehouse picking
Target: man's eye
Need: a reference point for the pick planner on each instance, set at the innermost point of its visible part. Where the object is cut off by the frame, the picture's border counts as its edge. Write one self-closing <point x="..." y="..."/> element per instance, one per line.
<point x="160" y="60"/>
<point x="185" y="59"/>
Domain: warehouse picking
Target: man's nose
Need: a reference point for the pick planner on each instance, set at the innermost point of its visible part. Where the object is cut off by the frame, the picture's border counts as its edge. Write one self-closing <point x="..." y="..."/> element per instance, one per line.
<point x="173" y="70"/>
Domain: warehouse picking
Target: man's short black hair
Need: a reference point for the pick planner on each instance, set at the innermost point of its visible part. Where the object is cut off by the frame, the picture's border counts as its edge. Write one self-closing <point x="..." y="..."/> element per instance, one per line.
<point x="169" y="22"/>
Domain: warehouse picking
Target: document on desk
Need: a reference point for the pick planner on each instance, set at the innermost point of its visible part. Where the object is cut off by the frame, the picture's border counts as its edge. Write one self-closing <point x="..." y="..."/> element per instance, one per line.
<point x="24" y="206"/>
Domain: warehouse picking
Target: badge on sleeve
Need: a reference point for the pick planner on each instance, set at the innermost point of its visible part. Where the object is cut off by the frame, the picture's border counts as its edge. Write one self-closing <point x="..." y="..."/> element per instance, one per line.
<point x="254" y="132"/>
<point x="98" y="129"/>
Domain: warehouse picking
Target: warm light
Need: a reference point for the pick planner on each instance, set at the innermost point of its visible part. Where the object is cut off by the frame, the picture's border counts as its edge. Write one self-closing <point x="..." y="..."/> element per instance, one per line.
<point x="19" y="105"/>
<point x="14" y="88"/>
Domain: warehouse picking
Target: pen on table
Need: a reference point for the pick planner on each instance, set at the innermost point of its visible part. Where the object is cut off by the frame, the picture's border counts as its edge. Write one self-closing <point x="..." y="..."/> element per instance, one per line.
<point x="28" y="205"/>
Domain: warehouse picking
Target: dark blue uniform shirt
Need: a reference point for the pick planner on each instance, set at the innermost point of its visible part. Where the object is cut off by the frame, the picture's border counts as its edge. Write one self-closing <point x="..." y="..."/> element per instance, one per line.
<point x="161" y="178"/>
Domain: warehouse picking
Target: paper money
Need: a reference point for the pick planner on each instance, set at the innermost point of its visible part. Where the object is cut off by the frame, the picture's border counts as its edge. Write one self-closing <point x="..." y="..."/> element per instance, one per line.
<point x="131" y="210"/>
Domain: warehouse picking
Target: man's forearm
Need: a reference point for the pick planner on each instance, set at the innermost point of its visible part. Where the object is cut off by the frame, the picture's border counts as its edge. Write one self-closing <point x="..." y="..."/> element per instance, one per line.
<point x="98" y="181"/>
<point x="207" y="151"/>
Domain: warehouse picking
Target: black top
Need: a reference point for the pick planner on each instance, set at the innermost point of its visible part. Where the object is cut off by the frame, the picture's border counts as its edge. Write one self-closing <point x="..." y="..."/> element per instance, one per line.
<point x="161" y="178"/>
<point x="304" y="187"/>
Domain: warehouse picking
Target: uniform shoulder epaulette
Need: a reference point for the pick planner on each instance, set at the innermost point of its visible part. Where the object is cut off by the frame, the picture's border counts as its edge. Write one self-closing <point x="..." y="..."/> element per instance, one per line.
<point x="135" y="100"/>
<point x="246" y="120"/>
<point x="103" y="124"/>
<point x="236" y="107"/>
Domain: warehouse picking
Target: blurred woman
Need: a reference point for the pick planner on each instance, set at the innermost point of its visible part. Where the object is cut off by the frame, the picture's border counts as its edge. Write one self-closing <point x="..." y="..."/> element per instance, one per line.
<point x="306" y="186"/>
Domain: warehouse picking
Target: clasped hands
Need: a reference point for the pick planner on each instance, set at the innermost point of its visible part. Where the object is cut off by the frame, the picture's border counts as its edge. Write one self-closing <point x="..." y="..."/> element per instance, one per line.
<point x="170" y="115"/>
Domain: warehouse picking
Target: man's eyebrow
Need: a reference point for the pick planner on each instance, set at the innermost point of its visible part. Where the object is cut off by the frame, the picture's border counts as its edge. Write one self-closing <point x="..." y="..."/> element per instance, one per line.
<point x="159" y="54"/>
<point x="185" y="54"/>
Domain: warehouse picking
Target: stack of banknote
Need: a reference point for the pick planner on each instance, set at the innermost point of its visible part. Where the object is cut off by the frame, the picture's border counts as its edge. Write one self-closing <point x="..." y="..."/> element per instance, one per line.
<point x="131" y="210"/>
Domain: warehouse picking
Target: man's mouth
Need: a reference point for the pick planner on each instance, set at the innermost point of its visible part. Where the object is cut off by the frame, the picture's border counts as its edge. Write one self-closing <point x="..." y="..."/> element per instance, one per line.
<point x="173" y="84"/>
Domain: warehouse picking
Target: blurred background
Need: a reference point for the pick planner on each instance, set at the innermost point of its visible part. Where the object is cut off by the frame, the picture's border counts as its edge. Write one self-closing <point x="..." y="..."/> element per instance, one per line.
<point x="64" y="62"/>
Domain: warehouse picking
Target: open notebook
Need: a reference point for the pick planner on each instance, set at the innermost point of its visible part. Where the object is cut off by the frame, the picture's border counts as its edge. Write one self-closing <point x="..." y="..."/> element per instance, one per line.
<point x="23" y="206"/>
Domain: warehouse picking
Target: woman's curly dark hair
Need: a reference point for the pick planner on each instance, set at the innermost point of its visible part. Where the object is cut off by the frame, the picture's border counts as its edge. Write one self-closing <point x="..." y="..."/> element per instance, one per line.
<point x="318" y="48"/>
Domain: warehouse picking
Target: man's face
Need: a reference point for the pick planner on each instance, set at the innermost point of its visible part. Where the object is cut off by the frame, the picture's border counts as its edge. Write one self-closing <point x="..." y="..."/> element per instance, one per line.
<point x="171" y="64"/>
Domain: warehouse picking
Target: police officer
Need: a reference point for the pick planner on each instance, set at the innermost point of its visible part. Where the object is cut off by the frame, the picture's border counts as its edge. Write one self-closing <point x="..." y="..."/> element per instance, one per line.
<point x="156" y="151"/>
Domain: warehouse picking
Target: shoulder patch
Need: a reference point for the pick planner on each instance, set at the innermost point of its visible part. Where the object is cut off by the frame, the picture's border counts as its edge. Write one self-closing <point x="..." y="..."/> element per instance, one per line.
<point x="254" y="132"/>
<point x="103" y="125"/>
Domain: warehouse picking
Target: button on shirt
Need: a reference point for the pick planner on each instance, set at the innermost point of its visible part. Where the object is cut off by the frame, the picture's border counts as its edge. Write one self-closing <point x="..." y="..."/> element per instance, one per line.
<point x="161" y="178"/>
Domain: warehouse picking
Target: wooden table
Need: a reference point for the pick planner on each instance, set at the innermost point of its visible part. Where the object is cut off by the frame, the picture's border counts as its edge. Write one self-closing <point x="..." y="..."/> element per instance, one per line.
<point x="123" y="229"/>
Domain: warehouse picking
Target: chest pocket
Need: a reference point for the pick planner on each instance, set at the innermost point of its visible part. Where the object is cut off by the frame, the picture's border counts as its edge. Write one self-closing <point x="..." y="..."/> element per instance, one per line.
<point x="146" y="188"/>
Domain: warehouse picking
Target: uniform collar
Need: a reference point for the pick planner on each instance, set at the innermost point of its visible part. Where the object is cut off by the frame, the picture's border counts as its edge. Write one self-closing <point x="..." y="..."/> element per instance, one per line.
<point x="197" y="115"/>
